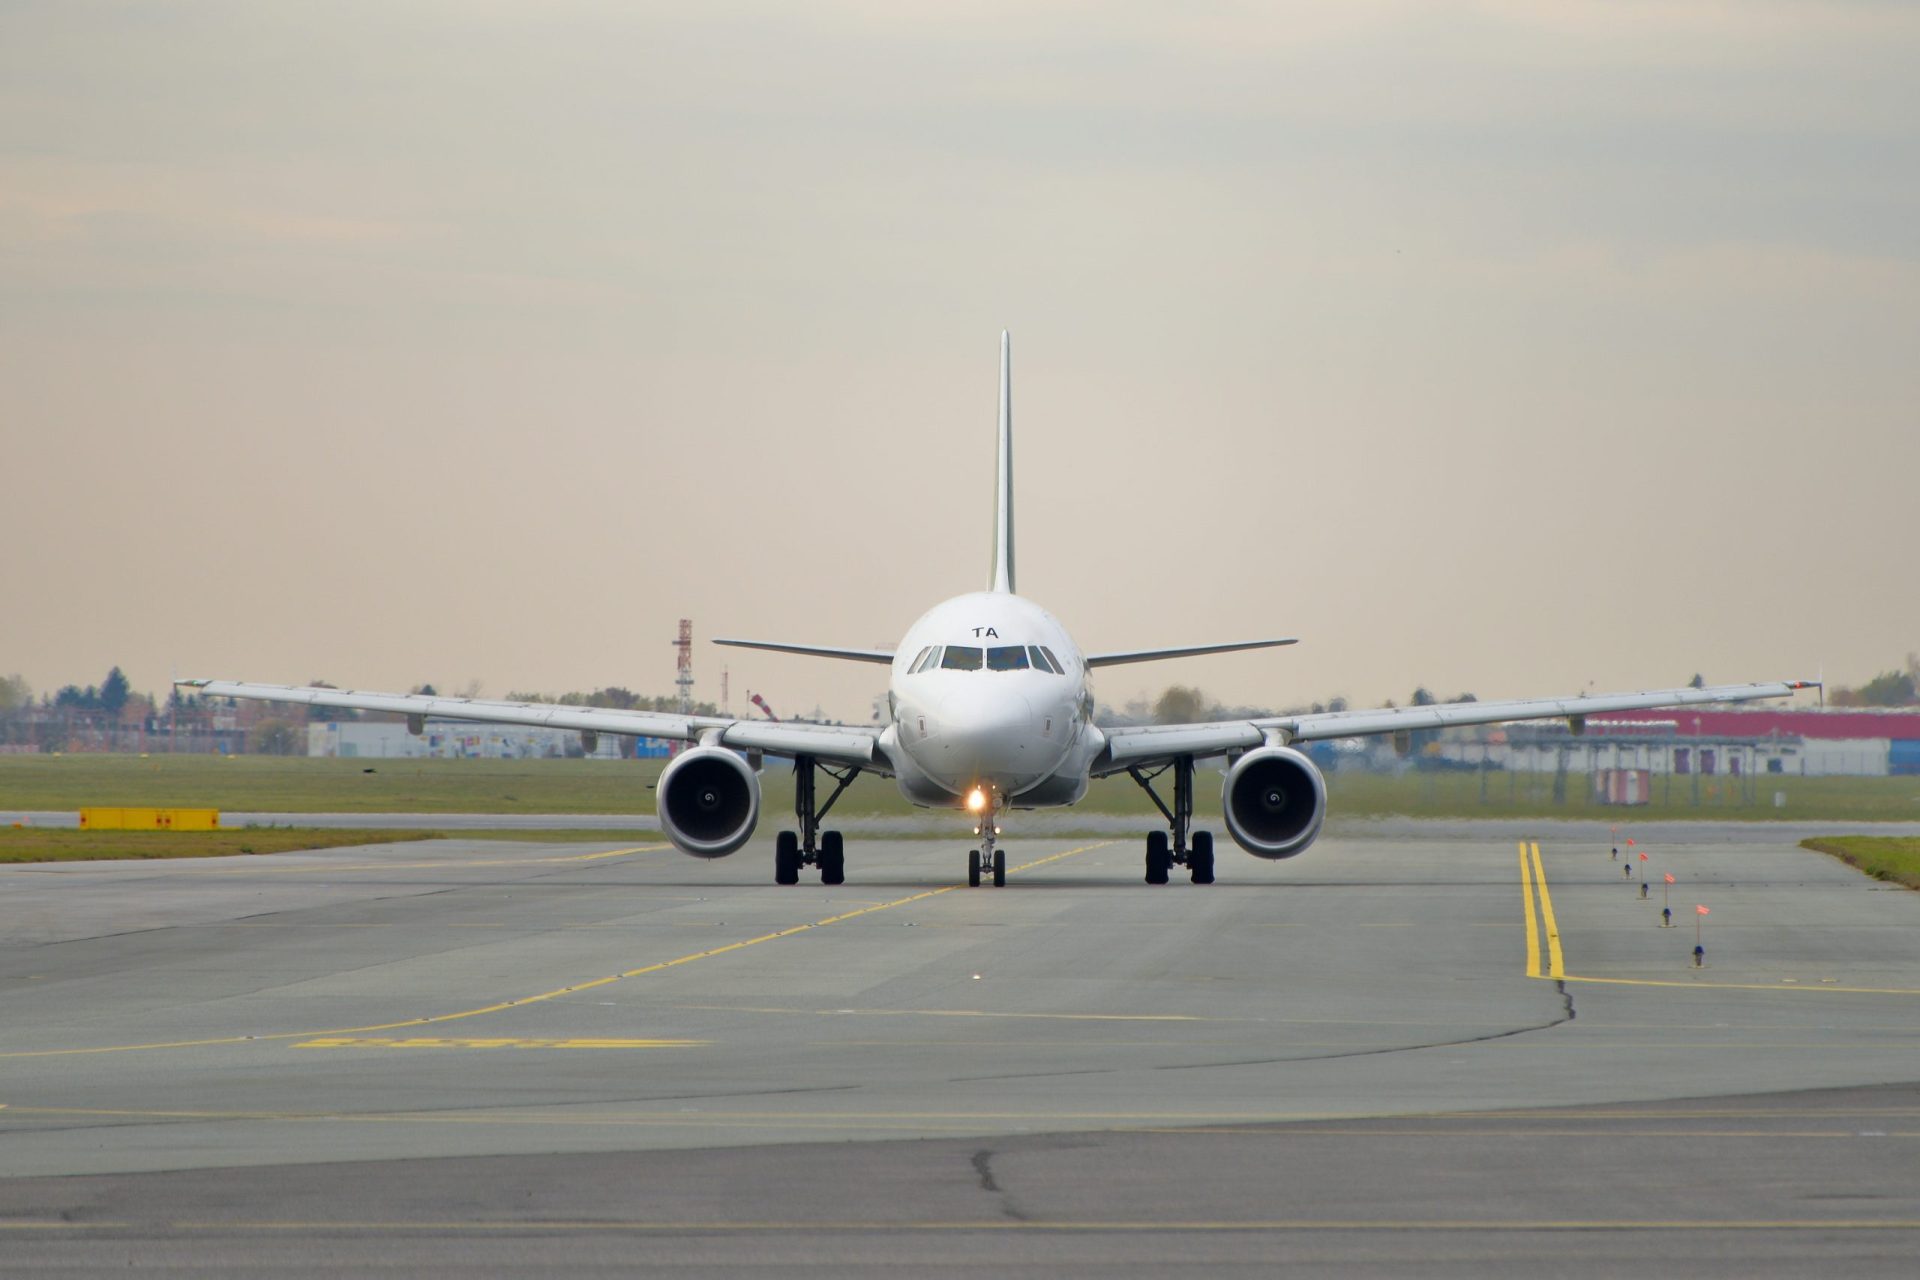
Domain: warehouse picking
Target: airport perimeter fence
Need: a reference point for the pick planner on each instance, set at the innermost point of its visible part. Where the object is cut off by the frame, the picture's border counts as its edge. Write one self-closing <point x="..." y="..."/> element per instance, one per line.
<point x="41" y="734"/>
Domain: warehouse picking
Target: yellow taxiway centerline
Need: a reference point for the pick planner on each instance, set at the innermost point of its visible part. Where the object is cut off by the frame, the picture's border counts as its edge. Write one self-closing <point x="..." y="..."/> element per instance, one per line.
<point x="1533" y="872"/>
<point x="1526" y="900"/>
<point x="589" y="985"/>
<point x="1556" y="965"/>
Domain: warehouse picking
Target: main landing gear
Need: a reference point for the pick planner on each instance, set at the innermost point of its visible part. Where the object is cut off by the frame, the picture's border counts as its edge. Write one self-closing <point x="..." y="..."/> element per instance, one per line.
<point x="987" y="860"/>
<point x="810" y="846"/>
<point x="1171" y="848"/>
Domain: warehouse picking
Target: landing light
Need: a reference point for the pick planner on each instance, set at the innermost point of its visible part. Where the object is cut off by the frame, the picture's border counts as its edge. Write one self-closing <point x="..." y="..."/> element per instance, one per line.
<point x="976" y="800"/>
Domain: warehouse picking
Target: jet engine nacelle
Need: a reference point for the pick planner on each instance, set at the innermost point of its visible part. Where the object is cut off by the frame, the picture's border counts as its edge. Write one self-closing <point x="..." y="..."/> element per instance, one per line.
<point x="709" y="801"/>
<point x="1274" y="801"/>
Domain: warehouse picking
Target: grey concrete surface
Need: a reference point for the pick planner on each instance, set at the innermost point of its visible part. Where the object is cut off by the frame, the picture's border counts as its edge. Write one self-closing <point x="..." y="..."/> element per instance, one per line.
<point x="1769" y="1185"/>
<point x="1055" y="822"/>
<point x="1336" y="1061"/>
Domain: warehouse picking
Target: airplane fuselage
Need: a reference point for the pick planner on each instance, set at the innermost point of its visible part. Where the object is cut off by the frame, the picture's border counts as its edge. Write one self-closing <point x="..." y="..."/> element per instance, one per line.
<point x="988" y="691"/>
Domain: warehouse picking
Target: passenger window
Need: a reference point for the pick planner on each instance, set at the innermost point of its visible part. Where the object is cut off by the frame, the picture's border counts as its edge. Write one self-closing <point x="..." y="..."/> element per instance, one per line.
<point x="958" y="657"/>
<point x="1058" y="665"/>
<point x="1007" y="657"/>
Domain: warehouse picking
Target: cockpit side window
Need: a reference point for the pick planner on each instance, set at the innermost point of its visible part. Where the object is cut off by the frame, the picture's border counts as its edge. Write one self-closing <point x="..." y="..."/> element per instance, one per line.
<point x="920" y="660"/>
<point x="1007" y="657"/>
<point x="959" y="657"/>
<point x="1057" y="664"/>
<point x="1039" y="656"/>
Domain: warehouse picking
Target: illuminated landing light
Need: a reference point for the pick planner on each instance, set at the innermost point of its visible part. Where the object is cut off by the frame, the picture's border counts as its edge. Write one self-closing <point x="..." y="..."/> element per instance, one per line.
<point x="976" y="800"/>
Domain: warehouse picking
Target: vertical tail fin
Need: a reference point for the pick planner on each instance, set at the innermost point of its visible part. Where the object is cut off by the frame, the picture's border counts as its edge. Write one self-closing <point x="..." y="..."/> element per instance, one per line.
<point x="1003" y="512"/>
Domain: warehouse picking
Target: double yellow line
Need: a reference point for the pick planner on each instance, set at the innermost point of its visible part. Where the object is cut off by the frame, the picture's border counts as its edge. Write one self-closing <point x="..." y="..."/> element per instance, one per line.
<point x="1533" y="876"/>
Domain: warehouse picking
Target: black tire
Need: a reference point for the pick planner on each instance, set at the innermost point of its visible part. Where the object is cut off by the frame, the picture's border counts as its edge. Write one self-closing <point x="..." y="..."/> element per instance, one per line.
<point x="786" y="858"/>
<point x="1200" y="858"/>
<point x="1159" y="857"/>
<point x="973" y="869"/>
<point x="999" y="868"/>
<point x="833" y="858"/>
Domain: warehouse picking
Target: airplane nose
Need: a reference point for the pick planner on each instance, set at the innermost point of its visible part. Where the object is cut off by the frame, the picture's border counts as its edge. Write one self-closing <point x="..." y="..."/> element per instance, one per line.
<point x="990" y="734"/>
<point x="1003" y="713"/>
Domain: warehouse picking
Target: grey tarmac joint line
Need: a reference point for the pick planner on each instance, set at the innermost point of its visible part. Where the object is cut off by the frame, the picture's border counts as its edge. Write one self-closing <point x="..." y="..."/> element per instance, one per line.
<point x="1338" y="1058"/>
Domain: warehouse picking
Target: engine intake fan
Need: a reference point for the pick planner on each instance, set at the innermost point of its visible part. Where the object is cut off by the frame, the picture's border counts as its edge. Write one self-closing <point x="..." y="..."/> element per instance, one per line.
<point x="709" y="800"/>
<point x="1274" y="800"/>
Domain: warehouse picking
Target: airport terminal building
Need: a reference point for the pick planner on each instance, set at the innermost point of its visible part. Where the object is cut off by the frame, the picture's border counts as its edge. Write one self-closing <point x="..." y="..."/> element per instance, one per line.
<point x="1706" y="741"/>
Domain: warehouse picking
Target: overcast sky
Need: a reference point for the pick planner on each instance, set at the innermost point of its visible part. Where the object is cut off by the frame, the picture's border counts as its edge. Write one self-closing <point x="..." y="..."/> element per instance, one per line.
<point x="1506" y="347"/>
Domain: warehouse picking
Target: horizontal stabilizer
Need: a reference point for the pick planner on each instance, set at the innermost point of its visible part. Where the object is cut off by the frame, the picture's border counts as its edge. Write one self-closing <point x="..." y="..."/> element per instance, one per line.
<point x="1189" y="651"/>
<point x="814" y="650"/>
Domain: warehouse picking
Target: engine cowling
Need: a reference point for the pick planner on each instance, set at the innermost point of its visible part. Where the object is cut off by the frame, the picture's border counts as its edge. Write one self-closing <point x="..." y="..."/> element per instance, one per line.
<point x="1274" y="800"/>
<point x="709" y="801"/>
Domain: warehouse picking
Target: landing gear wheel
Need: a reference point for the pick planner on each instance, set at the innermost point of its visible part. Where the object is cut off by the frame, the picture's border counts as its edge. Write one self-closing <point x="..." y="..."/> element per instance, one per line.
<point x="1159" y="857"/>
<point x="973" y="868"/>
<point x="999" y="868"/>
<point x="1166" y="848"/>
<point x="824" y="849"/>
<point x="833" y="858"/>
<point x="1200" y="857"/>
<point x="786" y="858"/>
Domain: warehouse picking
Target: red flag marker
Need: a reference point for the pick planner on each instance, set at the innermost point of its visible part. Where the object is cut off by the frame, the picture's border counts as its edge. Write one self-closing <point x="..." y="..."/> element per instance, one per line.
<point x="1670" y="879"/>
<point x="1643" y="857"/>
<point x="1700" y="911"/>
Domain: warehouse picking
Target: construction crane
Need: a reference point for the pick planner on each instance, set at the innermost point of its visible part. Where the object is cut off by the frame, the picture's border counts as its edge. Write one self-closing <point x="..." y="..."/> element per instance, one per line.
<point x="761" y="703"/>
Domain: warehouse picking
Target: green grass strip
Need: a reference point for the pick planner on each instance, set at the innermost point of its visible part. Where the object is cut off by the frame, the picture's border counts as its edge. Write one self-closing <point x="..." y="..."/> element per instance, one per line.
<point x="1891" y="858"/>
<point x="45" y="844"/>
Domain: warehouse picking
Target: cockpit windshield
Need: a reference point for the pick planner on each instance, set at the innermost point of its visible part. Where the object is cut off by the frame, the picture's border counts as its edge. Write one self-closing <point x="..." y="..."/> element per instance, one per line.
<point x="1004" y="657"/>
<point x="1008" y="657"/>
<point x="959" y="657"/>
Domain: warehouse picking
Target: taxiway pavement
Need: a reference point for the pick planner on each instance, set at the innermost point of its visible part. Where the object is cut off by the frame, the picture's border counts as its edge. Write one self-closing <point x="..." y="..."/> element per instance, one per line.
<point x="1394" y="1050"/>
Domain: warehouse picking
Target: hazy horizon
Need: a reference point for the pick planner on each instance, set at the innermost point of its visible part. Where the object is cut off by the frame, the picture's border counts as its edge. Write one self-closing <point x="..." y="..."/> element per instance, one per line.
<point x="1514" y="347"/>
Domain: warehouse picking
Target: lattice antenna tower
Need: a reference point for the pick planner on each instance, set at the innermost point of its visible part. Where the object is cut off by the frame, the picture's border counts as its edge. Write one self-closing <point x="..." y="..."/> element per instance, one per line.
<point x="683" y="679"/>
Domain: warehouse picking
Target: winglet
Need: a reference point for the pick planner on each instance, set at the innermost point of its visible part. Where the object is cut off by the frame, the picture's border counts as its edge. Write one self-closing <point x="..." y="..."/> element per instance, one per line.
<point x="1003" y="511"/>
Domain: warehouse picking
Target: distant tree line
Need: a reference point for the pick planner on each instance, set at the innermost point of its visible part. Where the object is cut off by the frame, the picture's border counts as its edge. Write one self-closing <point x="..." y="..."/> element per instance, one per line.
<point x="1184" y="704"/>
<point x="616" y="698"/>
<point x="1888" y="689"/>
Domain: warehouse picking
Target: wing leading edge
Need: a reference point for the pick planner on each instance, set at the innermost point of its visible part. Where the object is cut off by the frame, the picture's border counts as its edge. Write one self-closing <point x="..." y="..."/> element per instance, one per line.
<point x="1150" y="743"/>
<point x="814" y="650"/>
<point x="1114" y="659"/>
<point x="832" y="743"/>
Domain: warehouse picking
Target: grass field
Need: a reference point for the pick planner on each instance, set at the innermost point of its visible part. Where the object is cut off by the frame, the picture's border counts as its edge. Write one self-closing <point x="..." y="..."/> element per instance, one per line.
<point x="273" y="784"/>
<point x="1892" y="858"/>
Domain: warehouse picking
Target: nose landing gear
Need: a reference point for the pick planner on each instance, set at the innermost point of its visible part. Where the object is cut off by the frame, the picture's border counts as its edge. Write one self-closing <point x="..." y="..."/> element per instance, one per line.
<point x="811" y="846"/>
<point x="987" y="860"/>
<point x="1171" y="848"/>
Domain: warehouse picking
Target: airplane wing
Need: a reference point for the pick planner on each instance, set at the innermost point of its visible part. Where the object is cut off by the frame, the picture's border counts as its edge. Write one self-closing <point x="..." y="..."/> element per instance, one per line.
<point x="833" y="744"/>
<point x="1149" y="745"/>
<point x="1188" y="651"/>
<point x="814" y="650"/>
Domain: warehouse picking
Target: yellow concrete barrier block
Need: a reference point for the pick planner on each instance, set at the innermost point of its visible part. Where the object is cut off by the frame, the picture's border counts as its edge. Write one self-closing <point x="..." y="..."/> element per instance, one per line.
<point x="105" y="818"/>
<point x="192" y="819"/>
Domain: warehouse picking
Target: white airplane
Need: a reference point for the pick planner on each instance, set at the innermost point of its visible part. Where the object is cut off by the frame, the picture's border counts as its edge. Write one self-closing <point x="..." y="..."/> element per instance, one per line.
<point x="990" y="708"/>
